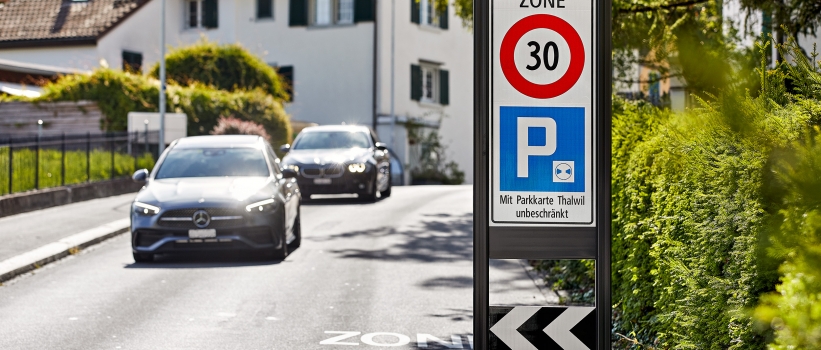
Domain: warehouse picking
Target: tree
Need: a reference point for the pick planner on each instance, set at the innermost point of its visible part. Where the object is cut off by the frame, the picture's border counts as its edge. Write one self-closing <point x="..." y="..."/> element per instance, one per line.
<point x="225" y="67"/>
<point x="690" y="34"/>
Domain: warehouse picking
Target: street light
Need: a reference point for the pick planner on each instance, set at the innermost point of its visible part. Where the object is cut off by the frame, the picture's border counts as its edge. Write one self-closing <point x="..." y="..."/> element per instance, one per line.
<point x="393" y="40"/>
<point x="162" y="80"/>
<point x="39" y="128"/>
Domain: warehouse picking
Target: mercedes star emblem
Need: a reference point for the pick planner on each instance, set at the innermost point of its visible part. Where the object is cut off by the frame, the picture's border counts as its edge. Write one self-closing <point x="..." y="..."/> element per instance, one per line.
<point x="201" y="218"/>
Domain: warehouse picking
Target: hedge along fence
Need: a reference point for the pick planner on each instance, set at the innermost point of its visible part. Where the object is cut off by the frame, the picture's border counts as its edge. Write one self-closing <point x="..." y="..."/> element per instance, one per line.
<point x="118" y="93"/>
<point x="694" y="211"/>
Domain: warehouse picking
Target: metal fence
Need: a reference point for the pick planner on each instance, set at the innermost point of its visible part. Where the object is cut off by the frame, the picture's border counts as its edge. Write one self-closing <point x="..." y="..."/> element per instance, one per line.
<point x="32" y="162"/>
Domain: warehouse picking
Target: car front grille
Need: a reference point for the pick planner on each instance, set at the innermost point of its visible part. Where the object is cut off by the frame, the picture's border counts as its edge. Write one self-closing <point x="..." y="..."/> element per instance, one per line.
<point x="220" y="218"/>
<point x="326" y="171"/>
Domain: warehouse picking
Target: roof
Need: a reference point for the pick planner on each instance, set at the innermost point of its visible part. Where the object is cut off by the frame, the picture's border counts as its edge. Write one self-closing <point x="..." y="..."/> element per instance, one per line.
<point x="214" y="141"/>
<point x="38" y="69"/>
<point x="60" y="22"/>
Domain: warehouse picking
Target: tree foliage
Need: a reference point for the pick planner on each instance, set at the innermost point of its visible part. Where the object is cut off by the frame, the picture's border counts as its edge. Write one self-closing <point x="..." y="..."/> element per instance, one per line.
<point x="226" y="67"/>
<point x="688" y="38"/>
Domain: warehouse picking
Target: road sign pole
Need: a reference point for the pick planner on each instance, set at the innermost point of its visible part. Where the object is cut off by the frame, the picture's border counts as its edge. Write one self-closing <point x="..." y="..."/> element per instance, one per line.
<point x="481" y="79"/>
<point x="605" y="122"/>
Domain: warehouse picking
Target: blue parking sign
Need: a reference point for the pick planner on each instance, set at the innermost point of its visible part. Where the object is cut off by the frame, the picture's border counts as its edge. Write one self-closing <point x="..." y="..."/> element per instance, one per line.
<point x="542" y="149"/>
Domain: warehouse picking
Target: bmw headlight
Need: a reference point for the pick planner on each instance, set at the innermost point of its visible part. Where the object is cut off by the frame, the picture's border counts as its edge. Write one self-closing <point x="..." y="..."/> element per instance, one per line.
<point x="145" y="209"/>
<point x="356" y="167"/>
<point x="293" y="167"/>
<point x="261" y="206"/>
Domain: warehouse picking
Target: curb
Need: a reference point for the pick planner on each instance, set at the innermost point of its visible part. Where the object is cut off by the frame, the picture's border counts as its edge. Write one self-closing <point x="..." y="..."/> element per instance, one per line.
<point x="31" y="260"/>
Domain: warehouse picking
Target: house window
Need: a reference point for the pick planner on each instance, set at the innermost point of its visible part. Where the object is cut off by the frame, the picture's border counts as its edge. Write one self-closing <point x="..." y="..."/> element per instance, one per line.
<point x="265" y="9"/>
<point x="429" y="83"/>
<point x="429" y="75"/>
<point x="429" y="16"/>
<point x="132" y="62"/>
<point x="201" y="14"/>
<point x="344" y="11"/>
<point x="329" y="12"/>
<point x="424" y="12"/>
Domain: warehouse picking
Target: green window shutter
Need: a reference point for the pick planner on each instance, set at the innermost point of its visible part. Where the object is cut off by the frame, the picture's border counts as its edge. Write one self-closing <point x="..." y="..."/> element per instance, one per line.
<point x="415" y="11"/>
<point x="210" y="14"/>
<point x="363" y="10"/>
<point x="298" y="13"/>
<point x="265" y="9"/>
<point x="416" y="82"/>
<point x="444" y="96"/>
<point x="443" y="18"/>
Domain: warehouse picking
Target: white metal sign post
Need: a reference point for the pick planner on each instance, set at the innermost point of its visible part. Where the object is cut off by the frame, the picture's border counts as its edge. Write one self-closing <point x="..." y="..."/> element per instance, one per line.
<point x="542" y="161"/>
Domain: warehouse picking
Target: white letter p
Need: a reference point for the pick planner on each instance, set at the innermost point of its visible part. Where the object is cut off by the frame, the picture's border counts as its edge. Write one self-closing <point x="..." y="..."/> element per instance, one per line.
<point x="523" y="150"/>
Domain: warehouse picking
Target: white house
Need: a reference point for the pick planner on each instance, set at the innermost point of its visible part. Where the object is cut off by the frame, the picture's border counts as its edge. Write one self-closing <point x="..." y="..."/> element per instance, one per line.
<point x="348" y="60"/>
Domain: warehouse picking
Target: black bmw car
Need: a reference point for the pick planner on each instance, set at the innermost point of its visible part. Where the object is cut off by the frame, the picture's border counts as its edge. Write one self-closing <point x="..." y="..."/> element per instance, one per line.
<point x="337" y="159"/>
<point x="216" y="193"/>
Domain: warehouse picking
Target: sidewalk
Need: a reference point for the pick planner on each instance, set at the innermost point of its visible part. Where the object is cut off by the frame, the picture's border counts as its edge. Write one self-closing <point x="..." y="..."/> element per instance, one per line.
<point x="25" y="232"/>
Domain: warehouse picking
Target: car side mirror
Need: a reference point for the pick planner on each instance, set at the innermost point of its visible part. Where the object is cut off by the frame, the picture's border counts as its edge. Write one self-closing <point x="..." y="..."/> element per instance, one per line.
<point x="288" y="173"/>
<point x="140" y="175"/>
<point x="381" y="146"/>
<point x="285" y="148"/>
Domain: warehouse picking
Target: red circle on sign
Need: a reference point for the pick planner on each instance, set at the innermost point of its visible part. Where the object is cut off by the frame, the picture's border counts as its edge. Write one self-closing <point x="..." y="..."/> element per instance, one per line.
<point x="558" y="87"/>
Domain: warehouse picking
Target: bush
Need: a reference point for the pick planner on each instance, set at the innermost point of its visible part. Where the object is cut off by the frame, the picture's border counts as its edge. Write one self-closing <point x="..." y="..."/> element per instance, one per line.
<point x="694" y="202"/>
<point x="793" y="311"/>
<point x="234" y="126"/>
<point x="226" y="67"/>
<point x="118" y="93"/>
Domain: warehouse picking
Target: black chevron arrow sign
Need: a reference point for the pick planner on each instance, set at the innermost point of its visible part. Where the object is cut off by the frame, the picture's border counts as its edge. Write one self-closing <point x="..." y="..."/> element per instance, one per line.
<point x="542" y="328"/>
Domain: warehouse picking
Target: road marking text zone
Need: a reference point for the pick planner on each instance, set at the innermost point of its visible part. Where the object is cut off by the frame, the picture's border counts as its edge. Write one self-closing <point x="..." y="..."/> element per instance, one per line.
<point x="389" y="339"/>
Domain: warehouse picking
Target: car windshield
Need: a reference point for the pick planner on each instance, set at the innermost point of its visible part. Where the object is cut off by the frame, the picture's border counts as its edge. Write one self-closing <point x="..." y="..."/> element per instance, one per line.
<point x="205" y="162"/>
<point x="331" y="140"/>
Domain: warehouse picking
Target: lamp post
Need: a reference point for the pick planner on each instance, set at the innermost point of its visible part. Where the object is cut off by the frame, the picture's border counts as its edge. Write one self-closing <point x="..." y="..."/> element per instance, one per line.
<point x="162" y="80"/>
<point x="39" y="128"/>
<point x="393" y="40"/>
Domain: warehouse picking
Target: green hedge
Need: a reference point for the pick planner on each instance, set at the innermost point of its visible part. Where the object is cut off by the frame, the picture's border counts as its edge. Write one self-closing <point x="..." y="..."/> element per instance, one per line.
<point x="118" y="93"/>
<point x="50" y="167"/>
<point x="698" y="198"/>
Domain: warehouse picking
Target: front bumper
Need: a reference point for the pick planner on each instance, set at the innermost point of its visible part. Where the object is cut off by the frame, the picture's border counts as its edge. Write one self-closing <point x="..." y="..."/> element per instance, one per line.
<point x="251" y="231"/>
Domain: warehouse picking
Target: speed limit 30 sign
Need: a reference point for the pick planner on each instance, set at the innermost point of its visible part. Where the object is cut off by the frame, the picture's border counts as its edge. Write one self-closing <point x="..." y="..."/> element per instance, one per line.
<point x="542" y="108"/>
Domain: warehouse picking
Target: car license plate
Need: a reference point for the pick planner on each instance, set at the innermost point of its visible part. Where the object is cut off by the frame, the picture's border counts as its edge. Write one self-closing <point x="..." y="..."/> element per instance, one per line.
<point x="322" y="181"/>
<point x="206" y="233"/>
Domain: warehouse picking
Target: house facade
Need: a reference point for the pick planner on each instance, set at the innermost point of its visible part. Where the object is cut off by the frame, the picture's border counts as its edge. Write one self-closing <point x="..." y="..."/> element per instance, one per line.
<point x="350" y="61"/>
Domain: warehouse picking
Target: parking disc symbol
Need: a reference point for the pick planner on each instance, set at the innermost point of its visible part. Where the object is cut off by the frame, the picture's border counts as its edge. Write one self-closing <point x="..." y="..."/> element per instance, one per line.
<point x="563" y="171"/>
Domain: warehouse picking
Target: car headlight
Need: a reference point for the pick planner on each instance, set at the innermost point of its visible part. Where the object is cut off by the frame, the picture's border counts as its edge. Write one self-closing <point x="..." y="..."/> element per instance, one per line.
<point x="356" y="167"/>
<point x="261" y="206"/>
<point x="145" y="209"/>
<point x="293" y="167"/>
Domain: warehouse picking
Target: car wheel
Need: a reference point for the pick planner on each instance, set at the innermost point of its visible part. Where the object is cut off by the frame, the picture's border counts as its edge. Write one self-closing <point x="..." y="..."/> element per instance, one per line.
<point x="387" y="192"/>
<point x="281" y="252"/>
<point x="143" y="257"/>
<point x="297" y="232"/>
<point x="371" y="197"/>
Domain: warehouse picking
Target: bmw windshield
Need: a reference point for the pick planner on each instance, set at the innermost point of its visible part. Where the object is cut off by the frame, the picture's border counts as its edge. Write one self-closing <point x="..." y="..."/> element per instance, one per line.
<point x="213" y="162"/>
<point x="332" y="140"/>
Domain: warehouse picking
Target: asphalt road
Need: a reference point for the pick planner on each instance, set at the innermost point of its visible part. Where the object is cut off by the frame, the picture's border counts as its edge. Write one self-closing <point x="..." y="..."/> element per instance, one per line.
<point x="396" y="272"/>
